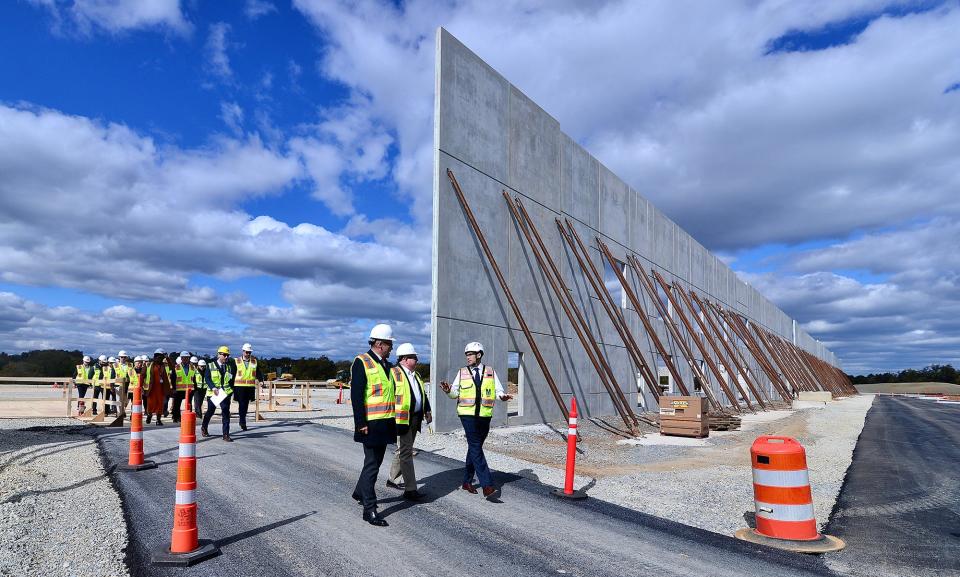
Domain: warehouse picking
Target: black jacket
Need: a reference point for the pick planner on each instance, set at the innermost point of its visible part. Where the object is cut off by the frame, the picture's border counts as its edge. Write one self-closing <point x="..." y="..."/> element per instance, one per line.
<point x="380" y="432"/>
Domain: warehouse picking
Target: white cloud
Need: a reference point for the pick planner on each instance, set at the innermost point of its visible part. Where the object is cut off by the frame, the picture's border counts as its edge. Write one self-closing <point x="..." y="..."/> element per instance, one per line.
<point x="218" y="61"/>
<point x="232" y="116"/>
<point x="117" y="15"/>
<point x="254" y="9"/>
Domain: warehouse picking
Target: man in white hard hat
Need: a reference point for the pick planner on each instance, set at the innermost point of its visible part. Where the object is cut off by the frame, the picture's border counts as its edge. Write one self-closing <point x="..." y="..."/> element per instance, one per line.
<point x="83" y="380"/>
<point x="183" y="377"/>
<point x="475" y="387"/>
<point x="200" y="387"/>
<point x="101" y="374"/>
<point x="413" y="408"/>
<point x="374" y="410"/>
<point x="249" y="377"/>
<point x="126" y="377"/>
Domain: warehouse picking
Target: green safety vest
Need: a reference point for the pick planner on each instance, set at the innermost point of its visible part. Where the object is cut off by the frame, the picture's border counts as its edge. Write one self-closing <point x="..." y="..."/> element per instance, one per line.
<point x="379" y="395"/>
<point x="467" y="402"/>
<point x="216" y="377"/>
<point x="184" y="378"/>
<point x="404" y="401"/>
<point x="246" y="373"/>
<point x="200" y="379"/>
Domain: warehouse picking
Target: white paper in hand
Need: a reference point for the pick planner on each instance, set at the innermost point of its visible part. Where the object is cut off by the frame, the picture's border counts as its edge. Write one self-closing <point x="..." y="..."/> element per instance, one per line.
<point x="218" y="397"/>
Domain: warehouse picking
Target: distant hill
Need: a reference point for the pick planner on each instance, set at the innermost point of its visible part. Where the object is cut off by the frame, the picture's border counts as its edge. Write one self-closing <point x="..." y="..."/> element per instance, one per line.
<point x="910" y="388"/>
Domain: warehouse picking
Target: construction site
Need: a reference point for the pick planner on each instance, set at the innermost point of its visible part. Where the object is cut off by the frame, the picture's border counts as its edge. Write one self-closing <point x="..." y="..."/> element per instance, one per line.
<point x="659" y="415"/>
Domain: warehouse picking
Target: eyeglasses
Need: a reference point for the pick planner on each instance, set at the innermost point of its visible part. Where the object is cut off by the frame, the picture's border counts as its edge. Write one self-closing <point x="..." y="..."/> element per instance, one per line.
<point x="224" y="354"/>
<point x="471" y="354"/>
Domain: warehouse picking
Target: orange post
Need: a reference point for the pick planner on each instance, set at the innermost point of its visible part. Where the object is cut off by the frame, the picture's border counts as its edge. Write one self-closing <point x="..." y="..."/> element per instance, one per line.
<point x="568" y="491"/>
<point x="783" y="500"/>
<point x="185" y="545"/>
<point x="136" y="460"/>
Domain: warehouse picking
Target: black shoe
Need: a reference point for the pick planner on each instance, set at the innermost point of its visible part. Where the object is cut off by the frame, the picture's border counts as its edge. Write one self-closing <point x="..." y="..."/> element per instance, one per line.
<point x="374" y="519"/>
<point x="149" y="418"/>
<point x="165" y="413"/>
<point x="227" y="438"/>
<point x="176" y="420"/>
<point x="413" y="495"/>
<point x="159" y="422"/>
<point x="203" y="432"/>
<point x="244" y="427"/>
<point x="357" y="498"/>
<point x="392" y="485"/>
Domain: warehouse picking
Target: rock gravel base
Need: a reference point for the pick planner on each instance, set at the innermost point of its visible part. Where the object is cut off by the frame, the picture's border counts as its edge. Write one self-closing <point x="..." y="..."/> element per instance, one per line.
<point x="704" y="483"/>
<point x="59" y="514"/>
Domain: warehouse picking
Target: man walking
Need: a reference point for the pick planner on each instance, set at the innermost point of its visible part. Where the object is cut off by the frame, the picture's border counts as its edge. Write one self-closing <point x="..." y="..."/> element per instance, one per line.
<point x="374" y="411"/>
<point x="220" y="377"/>
<point x="475" y="387"/>
<point x="156" y="383"/>
<point x="413" y="408"/>
<point x="183" y="377"/>
<point x="199" y="387"/>
<point x="83" y="380"/>
<point x="249" y="378"/>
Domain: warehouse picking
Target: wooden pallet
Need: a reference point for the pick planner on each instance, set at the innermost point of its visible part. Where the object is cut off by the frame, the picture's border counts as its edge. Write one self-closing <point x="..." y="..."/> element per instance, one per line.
<point x="721" y="422"/>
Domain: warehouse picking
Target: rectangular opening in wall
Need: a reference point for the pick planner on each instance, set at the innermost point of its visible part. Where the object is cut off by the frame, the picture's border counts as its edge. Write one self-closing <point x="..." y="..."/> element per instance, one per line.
<point x="666" y="381"/>
<point x="612" y="282"/>
<point x="515" y="383"/>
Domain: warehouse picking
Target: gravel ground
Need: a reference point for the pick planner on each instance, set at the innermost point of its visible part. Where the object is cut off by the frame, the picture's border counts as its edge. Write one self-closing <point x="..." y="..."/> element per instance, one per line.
<point x="705" y="483"/>
<point x="50" y="472"/>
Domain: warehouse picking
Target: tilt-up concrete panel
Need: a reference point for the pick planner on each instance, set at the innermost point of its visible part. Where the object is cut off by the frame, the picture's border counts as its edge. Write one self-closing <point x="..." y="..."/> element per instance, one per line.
<point x="494" y="138"/>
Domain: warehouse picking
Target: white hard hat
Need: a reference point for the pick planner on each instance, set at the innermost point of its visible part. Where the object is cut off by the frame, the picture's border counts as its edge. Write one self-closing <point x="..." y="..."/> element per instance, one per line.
<point x="473" y="347"/>
<point x="406" y="350"/>
<point x="201" y="363"/>
<point x="179" y="361"/>
<point x="111" y="360"/>
<point x="381" y="332"/>
<point x="86" y="358"/>
<point x="102" y="358"/>
<point x="193" y="360"/>
<point x="137" y="358"/>
<point x="159" y="352"/>
<point x="247" y="347"/>
<point x="184" y="353"/>
<point x="122" y="354"/>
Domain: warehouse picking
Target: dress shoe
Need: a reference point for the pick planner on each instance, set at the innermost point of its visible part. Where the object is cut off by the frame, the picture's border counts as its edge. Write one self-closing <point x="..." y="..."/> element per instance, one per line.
<point x="413" y="495"/>
<point x="357" y="498"/>
<point x="227" y="438"/>
<point x="149" y="417"/>
<point x="490" y="491"/>
<point x="159" y="422"/>
<point x="203" y="432"/>
<point x="469" y="487"/>
<point x="244" y="427"/>
<point x="392" y="485"/>
<point x="374" y="519"/>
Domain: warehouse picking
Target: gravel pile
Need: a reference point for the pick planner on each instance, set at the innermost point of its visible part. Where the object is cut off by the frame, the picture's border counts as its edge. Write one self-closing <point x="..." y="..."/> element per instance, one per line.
<point x="704" y="483"/>
<point x="59" y="514"/>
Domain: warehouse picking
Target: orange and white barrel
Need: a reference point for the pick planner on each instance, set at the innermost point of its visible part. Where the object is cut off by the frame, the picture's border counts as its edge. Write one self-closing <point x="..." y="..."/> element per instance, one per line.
<point x="781" y="489"/>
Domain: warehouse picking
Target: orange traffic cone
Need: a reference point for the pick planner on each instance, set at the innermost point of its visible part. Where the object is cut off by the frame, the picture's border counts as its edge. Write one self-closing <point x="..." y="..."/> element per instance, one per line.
<point x="136" y="461"/>
<point x="782" y="498"/>
<point x="185" y="546"/>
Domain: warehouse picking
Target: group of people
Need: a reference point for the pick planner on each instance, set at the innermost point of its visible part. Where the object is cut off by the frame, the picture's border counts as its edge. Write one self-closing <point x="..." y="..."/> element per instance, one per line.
<point x="390" y="405"/>
<point x="165" y="380"/>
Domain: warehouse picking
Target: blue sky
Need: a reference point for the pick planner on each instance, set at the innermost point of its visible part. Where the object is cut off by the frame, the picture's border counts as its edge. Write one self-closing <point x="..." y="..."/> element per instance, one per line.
<point x="189" y="172"/>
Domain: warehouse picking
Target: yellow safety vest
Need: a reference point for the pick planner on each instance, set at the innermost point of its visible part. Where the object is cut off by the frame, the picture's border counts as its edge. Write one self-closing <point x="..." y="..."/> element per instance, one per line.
<point x="380" y="393"/>
<point x="129" y="374"/>
<point x="404" y="401"/>
<point x="81" y="378"/>
<point x="246" y="373"/>
<point x="103" y="377"/>
<point x="467" y="402"/>
<point x="184" y="378"/>
<point x="220" y="381"/>
<point x="200" y="379"/>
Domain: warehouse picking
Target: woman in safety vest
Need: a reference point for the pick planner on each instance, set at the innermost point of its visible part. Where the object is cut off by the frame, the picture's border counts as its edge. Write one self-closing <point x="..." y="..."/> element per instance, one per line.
<point x="476" y="387"/>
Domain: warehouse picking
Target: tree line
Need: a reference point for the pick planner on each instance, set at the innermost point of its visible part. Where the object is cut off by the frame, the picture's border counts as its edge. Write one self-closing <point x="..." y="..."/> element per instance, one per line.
<point x="60" y="363"/>
<point x="931" y="374"/>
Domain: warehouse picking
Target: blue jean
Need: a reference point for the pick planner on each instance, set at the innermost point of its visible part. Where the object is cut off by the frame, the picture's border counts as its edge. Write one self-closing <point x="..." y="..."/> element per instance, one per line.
<point x="476" y="429"/>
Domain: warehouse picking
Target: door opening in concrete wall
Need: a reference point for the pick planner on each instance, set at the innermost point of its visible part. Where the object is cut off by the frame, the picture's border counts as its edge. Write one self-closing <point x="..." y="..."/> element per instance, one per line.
<point x="666" y="381"/>
<point x="515" y="383"/>
<point x="612" y="282"/>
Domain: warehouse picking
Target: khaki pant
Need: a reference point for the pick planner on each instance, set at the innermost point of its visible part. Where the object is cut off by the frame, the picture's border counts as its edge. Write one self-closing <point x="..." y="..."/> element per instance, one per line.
<point x="403" y="456"/>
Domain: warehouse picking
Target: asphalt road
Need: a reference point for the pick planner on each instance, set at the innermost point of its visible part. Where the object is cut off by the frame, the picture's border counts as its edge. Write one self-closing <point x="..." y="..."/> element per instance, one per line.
<point x="899" y="508"/>
<point x="278" y="502"/>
